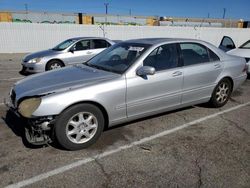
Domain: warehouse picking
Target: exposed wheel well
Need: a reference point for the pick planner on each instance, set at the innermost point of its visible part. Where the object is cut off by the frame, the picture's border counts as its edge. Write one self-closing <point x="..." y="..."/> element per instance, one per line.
<point x="59" y="60"/>
<point x="104" y="111"/>
<point x="230" y="79"/>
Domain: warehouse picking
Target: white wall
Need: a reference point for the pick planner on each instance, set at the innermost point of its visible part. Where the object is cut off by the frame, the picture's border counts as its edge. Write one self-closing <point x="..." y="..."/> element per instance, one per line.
<point x="25" y="37"/>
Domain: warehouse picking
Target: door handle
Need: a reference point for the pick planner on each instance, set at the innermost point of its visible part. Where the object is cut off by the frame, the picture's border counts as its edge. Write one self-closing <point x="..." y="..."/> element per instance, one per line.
<point x="177" y="73"/>
<point x="217" y="66"/>
<point x="89" y="52"/>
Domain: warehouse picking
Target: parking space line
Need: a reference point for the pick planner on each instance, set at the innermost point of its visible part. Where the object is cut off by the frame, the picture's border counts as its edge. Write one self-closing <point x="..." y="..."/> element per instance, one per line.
<point x="17" y="78"/>
<point x="119" y="149"/>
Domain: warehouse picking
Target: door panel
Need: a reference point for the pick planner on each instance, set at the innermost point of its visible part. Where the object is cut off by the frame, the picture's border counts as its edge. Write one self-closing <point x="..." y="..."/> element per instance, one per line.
<point x="200" y="80"/>
<point x="159" y="91"/>
<point x="200" y="74"/>
<point x="80" y="52"/>
<point x="155" y="92"/>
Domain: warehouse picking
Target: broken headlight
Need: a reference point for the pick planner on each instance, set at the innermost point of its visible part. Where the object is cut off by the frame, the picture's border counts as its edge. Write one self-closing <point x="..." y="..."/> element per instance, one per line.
<point x="28" y="106"/>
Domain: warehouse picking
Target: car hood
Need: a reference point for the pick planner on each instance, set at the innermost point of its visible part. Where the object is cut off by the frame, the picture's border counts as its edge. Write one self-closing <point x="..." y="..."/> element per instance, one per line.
<point x="60" y="80"/>
<point x="40" y="54"/>
<point x="240" y="52"/>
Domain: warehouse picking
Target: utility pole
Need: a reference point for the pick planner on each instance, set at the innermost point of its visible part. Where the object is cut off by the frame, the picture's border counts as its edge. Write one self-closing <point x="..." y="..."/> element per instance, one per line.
<point x="224" y="13"/>
<point x="130" y="12"/>
<point x="26" y="7"/>
<point x="106" y="11"/>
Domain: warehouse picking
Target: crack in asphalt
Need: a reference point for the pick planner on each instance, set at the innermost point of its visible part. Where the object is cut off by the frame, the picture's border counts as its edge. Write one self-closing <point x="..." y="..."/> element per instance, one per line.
<point x="197" y="160"/>
<point x="232" y="123"/>
<point x="183" y="117"/>
<point x="199" y="173"/>
<point x="235" y="101"/>
<point x="106" y="175"/>
<point x="146" y="147"/>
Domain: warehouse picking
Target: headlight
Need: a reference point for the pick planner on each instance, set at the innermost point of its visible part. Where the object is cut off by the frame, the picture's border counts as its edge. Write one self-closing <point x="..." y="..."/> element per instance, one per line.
<point x="35" y="60"/>
<point x="28" y="106"/>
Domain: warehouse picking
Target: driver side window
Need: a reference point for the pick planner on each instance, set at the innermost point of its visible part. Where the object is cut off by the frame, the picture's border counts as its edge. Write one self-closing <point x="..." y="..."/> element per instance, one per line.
<point x="82" y="45"/>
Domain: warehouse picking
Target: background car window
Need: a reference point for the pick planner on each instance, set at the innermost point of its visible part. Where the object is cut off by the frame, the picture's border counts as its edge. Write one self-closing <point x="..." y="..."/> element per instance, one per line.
<point x="213" y="56"/>
<point x="227" y="42"/>
<point x="163" y="57"/>
<point x="98" y="43"/>
<point x="246" y="45"/>
<point x="193" y="53"/>
<point x="82" y="45"/>
<point x="65" y="44"/>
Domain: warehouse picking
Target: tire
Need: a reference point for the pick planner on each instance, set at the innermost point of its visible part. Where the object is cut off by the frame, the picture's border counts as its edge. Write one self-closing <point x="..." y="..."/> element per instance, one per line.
<point x="79" y="126"/>
<point x="221" y="93"/>
<point x="54" y="64"/>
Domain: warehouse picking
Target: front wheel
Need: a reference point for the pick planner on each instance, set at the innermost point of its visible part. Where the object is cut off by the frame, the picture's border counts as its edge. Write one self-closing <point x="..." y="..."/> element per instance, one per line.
<point x="54" y="64"/>
<point x="221" y="93"/>
<point x="79" y="126"/>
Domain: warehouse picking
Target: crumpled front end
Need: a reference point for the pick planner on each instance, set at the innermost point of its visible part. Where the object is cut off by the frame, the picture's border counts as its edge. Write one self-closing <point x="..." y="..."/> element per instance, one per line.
<point x="37" y="130"/>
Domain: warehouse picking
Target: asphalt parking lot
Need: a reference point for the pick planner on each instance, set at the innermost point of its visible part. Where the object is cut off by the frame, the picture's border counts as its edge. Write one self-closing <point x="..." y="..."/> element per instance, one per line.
<point x="191" y="147"/>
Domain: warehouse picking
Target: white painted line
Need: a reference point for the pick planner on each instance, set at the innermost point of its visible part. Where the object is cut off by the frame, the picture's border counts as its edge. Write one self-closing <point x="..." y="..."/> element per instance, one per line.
<point x="121" y="148"/>
<point x="6" y="79"/>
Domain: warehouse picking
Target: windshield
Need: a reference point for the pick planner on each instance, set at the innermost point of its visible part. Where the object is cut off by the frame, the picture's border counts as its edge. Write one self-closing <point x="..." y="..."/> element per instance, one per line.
<point x="65" y="44"/>
<point x="119" y="57"/>
<point x="246" y="45"/>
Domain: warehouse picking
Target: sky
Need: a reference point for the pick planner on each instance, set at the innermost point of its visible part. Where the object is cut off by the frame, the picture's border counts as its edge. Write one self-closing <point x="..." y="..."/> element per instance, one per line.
<point x="235" y="9"/>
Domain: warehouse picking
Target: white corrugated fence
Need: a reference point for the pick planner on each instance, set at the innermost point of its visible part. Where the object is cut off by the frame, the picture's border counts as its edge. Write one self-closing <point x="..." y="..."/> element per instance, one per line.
<point x="30" y="37"/>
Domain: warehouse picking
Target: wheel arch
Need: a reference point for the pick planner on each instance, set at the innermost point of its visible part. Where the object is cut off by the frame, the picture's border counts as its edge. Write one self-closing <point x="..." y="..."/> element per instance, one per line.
<point x="98" y="105"/>
<point x="54" y="59"/>
<point x="230" y="79"/>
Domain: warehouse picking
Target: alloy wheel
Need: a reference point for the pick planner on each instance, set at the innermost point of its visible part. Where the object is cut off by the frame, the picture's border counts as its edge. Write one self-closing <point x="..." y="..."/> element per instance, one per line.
<point x="81" y="127"/>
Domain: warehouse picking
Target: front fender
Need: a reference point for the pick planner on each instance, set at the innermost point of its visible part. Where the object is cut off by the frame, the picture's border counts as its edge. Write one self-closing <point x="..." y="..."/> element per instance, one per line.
<point x="110" y="95"/>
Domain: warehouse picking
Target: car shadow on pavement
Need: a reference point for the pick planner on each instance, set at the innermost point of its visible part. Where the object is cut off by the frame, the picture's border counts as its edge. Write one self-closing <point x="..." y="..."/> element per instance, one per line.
<point x="17" y="125"/>
<point x="23" y="73"/>
<point x="117" y="133"/>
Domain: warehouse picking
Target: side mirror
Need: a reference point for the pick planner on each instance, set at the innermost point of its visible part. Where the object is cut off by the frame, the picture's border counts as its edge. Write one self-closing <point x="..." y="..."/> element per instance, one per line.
<point x="72" y="50"/>
<point x="145" y="70"/>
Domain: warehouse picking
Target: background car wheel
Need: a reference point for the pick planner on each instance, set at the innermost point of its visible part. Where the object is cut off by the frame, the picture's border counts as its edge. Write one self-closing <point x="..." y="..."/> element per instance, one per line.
<point x="221" y="93"/>
<point x="54" y="64"/>
<point x="79" y="126"/>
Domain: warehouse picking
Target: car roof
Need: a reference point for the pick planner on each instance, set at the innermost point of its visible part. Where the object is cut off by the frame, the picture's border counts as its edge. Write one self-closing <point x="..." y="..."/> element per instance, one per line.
<point x="80" y="38"/>
<point x="154" y="41"/>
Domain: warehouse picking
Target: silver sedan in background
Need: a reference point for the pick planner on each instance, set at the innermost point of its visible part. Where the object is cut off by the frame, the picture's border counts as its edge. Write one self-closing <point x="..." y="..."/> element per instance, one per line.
<point x="69" y="52"/>
<point x="127" y="81"/>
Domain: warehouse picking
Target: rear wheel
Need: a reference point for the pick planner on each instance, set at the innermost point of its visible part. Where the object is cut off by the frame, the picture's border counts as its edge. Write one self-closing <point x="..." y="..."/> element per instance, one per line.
<point x="79" y="126"/>
<point x="221" y="93"/>
<point x="54" y="64"/>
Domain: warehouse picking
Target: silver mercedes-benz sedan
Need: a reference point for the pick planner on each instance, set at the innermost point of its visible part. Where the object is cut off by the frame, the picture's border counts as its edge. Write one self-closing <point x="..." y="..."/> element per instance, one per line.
<point x="69" y="52"/>
<point x="127" y="81"/>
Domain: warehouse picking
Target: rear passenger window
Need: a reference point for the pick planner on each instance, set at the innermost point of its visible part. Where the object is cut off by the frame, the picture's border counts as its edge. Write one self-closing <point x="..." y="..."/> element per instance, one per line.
<point x="194" y="53"/>
<point x="213" y="56"/>
<point x="163" y="57"/>
<point x="98" y="43"/>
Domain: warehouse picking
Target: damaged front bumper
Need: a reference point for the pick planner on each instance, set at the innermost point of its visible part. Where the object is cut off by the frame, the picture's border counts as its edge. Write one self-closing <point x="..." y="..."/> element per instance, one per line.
<point x="38" y="130"/>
